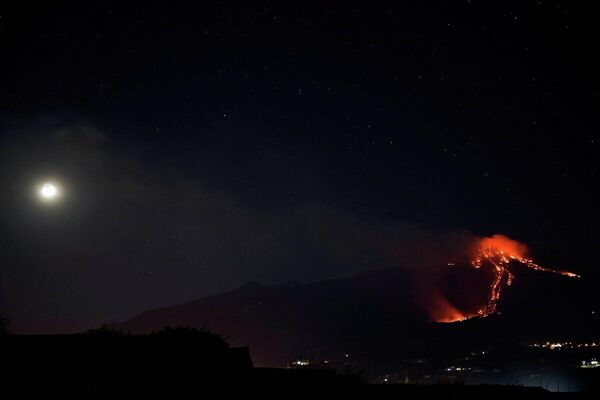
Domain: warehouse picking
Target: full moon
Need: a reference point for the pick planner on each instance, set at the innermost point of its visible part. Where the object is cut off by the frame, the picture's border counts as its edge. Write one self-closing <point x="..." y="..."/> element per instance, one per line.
<point x="49" y="191"/>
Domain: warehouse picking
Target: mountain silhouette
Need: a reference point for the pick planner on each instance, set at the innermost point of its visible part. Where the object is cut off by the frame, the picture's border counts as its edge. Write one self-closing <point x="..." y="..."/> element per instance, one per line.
<point x="377" y="316"/>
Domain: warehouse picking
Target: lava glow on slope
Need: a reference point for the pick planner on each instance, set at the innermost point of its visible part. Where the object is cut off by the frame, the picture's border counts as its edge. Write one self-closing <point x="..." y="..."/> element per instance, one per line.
<point x="441" y="310"/>
<point x="496" y="252"/>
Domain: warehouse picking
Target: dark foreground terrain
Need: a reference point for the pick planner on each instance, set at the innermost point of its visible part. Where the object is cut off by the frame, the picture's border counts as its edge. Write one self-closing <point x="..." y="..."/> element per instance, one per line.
<point x="377" y="315"/>
<point x="191" y="362"/>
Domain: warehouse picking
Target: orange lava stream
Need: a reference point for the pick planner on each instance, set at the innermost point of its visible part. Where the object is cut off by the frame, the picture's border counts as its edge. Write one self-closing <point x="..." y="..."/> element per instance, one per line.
<point x="499" y="251"/>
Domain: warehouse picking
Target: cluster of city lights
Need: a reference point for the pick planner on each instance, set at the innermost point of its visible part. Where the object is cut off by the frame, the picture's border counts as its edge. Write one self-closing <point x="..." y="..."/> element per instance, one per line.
<point x="564" y="345"/>
<point x="459" y="369"/>
<point x="593" y="363"/>
<point x="301" y="363"/>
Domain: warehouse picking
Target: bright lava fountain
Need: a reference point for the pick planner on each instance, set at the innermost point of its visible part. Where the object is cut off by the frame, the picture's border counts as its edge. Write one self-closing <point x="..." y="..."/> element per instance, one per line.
<point x="498" y="252"/>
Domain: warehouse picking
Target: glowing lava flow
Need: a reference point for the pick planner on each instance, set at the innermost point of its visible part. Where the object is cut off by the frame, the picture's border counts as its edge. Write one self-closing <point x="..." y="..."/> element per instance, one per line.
<point x="499" y="251"/>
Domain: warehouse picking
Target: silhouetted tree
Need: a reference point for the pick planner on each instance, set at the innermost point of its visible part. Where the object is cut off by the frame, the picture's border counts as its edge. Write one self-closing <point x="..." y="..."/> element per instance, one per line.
<point x="206" y="338"/>
<point x="106" y="330"/>
<point x="4" y="322"/>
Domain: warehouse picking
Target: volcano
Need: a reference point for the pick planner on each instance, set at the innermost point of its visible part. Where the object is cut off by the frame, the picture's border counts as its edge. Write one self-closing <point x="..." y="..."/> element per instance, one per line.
<point x="500" y="255"/>
<point x="376" y="316"/>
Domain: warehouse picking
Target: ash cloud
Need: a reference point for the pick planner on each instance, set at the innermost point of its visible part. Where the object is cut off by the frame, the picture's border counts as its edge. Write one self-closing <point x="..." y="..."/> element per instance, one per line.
<point x="136" y="232"/>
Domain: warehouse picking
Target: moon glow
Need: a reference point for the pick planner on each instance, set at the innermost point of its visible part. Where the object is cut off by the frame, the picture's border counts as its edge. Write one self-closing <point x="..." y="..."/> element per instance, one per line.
<point x="49" y="191"/>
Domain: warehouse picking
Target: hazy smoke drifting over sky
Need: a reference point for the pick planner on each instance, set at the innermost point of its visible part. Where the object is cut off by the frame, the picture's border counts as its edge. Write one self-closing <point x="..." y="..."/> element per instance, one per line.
<point x="131" y="233"/>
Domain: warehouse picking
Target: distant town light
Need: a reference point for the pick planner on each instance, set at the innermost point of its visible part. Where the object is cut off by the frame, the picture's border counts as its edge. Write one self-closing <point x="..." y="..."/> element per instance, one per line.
<point x="301" y="363"/>
<point x="593" y="363"/>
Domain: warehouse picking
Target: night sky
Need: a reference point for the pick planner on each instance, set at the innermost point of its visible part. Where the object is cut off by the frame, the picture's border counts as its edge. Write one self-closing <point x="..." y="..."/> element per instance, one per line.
<point x="202" y="145"/>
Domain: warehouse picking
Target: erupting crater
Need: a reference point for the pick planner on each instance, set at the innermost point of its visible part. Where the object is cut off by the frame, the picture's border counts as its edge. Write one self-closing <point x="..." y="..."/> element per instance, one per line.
<point x="497" y="253"/>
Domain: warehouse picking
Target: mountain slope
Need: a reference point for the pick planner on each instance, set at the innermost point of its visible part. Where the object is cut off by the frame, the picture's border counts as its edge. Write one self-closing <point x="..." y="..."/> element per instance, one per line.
<point x="373" y="316"/>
